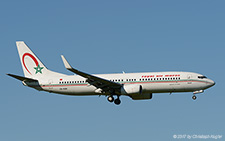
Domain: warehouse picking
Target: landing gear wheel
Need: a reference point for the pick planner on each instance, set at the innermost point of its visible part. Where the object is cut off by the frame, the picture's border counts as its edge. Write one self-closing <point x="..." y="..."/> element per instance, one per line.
<point x="110" y="98"/>
<point x="117" y="101"/>
<point x="194" y="97"/>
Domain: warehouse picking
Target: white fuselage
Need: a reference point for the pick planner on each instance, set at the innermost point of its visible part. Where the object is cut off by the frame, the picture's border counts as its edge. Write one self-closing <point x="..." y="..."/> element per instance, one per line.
<point x="138" y="86"/>
<point x="151" y="82"/>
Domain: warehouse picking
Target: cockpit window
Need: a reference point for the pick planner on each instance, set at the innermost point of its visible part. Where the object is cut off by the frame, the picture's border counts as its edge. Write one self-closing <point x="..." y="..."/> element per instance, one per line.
<point x="202" y="77"/>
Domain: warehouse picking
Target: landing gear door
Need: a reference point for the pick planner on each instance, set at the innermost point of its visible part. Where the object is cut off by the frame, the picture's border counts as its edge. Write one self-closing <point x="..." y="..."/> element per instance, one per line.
<point x="189" y="77"/>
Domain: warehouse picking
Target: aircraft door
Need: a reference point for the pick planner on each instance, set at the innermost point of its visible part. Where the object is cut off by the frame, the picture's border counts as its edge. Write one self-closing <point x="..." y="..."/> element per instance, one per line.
<point x="50" y="84"/>
<point x="189" y="79"/>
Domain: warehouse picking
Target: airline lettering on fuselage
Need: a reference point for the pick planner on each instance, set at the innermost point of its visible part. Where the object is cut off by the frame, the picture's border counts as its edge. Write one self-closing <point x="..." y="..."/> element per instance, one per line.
<point x="150" y="76"/>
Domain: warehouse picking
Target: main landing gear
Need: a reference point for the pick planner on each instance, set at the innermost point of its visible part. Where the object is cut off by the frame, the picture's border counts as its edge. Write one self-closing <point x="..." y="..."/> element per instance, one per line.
<point x="110" y="98"/>
<point x="116" y="101"/>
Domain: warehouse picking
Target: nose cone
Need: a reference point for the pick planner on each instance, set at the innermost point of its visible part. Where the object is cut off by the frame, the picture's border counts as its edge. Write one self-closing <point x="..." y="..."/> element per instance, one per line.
<point x="214" y="83"/>
<point x="211" y="83"/>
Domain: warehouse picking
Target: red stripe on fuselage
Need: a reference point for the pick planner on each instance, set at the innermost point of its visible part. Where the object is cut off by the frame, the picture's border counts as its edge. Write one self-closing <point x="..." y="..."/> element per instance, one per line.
<point x="125" y="83"/>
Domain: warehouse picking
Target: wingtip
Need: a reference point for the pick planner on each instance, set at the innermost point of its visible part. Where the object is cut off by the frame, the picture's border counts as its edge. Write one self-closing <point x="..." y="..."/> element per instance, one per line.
<point x="66" y="64"/>
<point x="20" y="42"/>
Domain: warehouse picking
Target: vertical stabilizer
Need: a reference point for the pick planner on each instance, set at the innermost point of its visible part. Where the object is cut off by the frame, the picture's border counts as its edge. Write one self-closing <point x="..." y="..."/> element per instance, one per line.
<point x="32" y="66"/>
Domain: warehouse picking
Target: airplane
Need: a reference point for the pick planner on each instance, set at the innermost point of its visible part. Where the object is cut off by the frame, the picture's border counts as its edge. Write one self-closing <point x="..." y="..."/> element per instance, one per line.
<point x="138" y="86"/>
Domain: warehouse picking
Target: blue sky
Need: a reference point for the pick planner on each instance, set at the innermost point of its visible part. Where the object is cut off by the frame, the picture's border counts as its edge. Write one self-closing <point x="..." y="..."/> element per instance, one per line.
<point x="111" y="37"/>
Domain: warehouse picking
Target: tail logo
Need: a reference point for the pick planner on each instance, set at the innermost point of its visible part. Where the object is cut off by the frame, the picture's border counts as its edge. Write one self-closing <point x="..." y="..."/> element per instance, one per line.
<point x="37" y="68"/>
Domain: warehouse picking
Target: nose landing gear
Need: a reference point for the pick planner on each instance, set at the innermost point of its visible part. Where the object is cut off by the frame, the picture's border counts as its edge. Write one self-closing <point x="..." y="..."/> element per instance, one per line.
<point x="194" y="97"/>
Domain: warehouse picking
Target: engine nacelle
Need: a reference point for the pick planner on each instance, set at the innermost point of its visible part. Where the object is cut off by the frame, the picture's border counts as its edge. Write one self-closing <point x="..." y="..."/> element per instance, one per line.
<point x="142" y="96"/>
<point x="131" y="89"/>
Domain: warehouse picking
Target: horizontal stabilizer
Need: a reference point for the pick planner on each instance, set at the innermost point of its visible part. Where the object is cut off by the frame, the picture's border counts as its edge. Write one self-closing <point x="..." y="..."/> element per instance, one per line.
<point x="21" y="78"/>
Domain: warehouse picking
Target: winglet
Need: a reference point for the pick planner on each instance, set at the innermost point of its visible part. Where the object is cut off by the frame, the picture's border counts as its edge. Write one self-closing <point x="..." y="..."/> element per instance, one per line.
<point x="67" y="65"/>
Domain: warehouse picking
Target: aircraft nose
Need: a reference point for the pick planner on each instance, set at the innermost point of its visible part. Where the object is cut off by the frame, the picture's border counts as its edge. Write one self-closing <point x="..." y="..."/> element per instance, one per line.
<point x="211" y="83"/>
<point x="214" y="83"/>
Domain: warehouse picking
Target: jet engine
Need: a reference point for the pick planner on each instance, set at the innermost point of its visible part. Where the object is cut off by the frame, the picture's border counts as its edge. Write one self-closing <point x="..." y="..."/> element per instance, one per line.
<point x="131" y="89"/>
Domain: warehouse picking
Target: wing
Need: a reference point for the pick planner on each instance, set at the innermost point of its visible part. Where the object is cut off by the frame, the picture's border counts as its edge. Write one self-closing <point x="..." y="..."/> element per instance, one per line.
<point x="105" y="85"/>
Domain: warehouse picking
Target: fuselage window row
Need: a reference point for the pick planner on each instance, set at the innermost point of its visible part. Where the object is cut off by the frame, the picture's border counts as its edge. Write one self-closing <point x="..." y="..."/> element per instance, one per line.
<point x="71" y="82"/>
<point x="154" y="79"/>
<point x="121" y="80"/>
